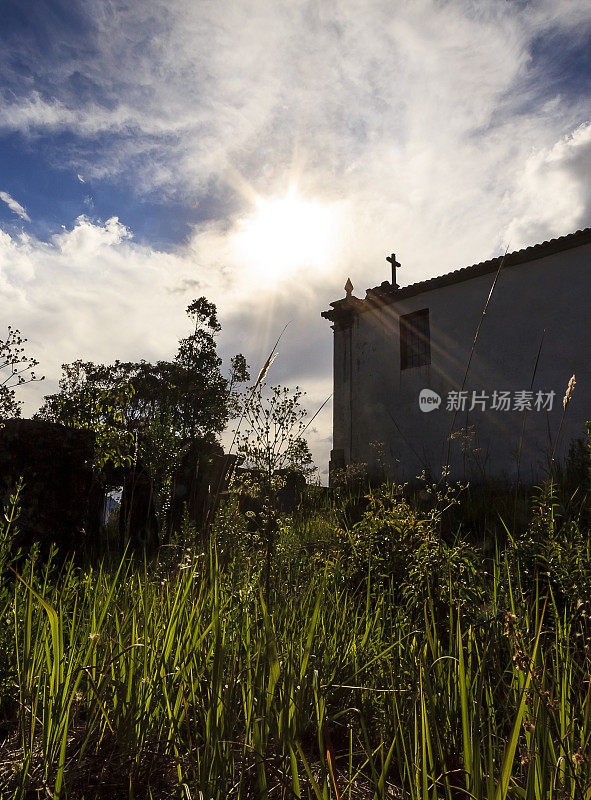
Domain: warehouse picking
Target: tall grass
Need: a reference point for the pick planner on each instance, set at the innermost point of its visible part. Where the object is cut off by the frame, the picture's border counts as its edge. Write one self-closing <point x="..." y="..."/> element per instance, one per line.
<point x="173" y="679"/>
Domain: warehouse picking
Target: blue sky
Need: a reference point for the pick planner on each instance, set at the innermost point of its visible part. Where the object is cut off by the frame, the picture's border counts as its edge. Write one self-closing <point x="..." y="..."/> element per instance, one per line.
<point x="139" y="142"/>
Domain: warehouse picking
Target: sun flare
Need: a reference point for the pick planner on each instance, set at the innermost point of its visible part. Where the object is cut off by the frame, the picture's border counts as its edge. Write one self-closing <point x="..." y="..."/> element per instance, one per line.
<point x="286" y="234"/>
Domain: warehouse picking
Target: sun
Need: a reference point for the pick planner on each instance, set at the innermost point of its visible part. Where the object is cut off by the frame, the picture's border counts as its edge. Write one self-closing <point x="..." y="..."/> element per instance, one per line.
<point x="287" y="234"/>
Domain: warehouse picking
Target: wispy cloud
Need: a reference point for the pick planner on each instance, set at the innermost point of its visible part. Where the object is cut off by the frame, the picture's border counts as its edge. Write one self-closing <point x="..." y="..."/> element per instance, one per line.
<point x="423" y="116"/>
<point x="14" y="206"/>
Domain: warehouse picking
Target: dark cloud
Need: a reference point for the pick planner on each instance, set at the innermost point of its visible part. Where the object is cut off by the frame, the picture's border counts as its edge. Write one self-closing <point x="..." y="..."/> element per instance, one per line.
<point x="186" y="285"/>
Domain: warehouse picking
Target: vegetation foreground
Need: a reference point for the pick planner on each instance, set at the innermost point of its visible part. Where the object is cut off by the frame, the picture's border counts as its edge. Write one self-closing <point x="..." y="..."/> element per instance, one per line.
<point x="398" y="656"/>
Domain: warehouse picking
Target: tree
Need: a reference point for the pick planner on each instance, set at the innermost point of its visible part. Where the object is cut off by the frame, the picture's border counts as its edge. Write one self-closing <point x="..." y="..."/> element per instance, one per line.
<point x="94" y="406"/>
<point x="272" y="439"/>
<point x="16" y="369"/>
<point x="199" y="389"/>
<point x="166" y="405"/>
<point x="271" y="444"/>
<point x="190" y="391"/>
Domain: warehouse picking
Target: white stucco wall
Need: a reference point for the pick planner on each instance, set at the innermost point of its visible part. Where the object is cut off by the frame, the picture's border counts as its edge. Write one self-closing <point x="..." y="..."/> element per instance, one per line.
<point x="376" y="401"/>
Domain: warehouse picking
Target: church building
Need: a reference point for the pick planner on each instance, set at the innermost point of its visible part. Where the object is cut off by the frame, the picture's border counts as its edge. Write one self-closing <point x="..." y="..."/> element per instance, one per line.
<point x="468" y="374"/>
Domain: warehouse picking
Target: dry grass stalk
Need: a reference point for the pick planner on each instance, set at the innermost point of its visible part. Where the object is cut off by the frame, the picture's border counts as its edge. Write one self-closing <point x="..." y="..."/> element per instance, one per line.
<point x="569" y="392"/>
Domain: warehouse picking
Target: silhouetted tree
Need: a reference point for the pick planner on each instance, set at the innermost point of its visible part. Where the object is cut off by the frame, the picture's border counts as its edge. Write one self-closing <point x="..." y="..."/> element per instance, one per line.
<point x="190" y="392"/>
<point x="16" y="369"/>
<point x="162" y="406"/>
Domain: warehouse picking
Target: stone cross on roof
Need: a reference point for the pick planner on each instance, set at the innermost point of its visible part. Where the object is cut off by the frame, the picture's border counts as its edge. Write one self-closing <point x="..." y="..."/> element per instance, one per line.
<point x="392" y="260"/>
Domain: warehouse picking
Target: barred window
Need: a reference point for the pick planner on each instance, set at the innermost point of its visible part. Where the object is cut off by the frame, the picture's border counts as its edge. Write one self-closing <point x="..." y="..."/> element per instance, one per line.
<point x="415" y="344"/>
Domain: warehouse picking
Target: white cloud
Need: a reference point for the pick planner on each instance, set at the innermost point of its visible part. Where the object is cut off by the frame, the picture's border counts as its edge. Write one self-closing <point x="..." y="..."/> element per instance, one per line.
<point x="553" y="185"/>
<point x="14" y="206"/>
<point x="184" y="89"/>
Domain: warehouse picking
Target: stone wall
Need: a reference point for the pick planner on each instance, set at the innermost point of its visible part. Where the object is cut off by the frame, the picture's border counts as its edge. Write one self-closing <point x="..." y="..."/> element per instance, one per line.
<point x="55" y="464"/>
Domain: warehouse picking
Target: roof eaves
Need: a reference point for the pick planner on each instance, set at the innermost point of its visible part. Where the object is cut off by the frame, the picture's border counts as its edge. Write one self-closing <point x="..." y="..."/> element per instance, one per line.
<point x="384" y="294"/>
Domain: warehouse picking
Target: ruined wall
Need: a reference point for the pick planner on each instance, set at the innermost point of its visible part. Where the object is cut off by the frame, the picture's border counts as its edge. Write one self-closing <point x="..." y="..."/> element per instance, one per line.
<point x="55" y="463"/>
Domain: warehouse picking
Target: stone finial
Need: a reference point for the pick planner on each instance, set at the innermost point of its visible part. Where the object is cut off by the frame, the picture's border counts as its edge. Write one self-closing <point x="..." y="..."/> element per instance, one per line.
<point x="349" y="287"/>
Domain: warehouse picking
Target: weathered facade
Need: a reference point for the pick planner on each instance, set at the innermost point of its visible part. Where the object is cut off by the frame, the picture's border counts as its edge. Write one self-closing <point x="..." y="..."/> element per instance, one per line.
<point x="405" y="401"/>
